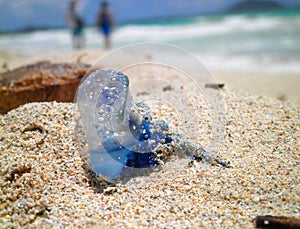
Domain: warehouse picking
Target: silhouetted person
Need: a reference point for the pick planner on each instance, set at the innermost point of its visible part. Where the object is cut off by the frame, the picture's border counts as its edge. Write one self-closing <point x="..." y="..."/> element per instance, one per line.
<point x="105" y="21"/>
<point x="76" y="24"/>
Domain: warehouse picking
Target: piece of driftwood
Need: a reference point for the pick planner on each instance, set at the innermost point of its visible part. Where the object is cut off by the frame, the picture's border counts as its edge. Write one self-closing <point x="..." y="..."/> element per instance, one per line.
<point x="40" y="82"/>
<point x="278" y="222"/>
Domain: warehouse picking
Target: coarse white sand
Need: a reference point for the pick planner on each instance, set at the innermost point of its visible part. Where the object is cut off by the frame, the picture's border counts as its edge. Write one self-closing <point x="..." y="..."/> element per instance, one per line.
<point x="44" y="182"/>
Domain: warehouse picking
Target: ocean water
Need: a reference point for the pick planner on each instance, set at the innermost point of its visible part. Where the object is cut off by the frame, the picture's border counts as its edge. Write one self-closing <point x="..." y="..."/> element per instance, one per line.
<point x="254" y="42"/>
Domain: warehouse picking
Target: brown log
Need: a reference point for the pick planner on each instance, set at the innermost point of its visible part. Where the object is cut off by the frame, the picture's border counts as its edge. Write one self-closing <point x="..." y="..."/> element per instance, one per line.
<point x="40" y="82"/>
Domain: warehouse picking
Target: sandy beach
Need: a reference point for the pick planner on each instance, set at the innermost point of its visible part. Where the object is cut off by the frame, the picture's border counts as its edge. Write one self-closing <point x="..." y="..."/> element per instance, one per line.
<point x="44" y="182"/>
<point x="284" y="87"/>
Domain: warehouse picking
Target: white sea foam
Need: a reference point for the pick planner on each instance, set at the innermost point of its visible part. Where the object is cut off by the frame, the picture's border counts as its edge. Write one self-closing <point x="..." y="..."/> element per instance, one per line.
<point x="200" y="28"/>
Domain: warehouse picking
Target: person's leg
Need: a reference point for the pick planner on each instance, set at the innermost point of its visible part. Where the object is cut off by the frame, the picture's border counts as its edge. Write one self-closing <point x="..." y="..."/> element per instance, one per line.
<point x="81" y="41"/>
<point x="75" y="39"/>
<point x="106" y="33"/>
<point x="74" y="42"/>
<point x="107" y="41"/>
<point x="78" y="38"/>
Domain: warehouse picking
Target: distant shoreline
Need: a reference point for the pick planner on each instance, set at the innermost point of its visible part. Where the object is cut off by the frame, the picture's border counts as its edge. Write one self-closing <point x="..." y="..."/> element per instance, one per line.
<point x="32" y="28"/>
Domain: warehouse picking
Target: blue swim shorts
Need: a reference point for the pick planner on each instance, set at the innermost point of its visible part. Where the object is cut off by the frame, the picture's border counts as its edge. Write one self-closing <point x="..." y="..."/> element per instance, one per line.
<point x="77" y="31"/>
<point x="106" y="29"/>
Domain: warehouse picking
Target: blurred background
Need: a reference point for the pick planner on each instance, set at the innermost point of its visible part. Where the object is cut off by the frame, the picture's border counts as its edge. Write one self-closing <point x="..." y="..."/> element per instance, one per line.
<point x="230" y="35"/>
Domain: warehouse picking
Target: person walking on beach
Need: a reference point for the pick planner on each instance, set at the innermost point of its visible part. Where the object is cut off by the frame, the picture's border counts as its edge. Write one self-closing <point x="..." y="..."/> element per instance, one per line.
<point x="105" y="21"/>
<point x="76" y="24"/>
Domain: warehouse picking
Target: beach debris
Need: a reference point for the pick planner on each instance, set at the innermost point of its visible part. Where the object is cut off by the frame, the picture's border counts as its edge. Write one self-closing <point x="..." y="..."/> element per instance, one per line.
<point x="142" y="93"/>
<point x="81" y="56"/>
<point x="123" y="139"/>
<point x="40" y="82"/>
<point x="215" y="85"/>
<point x="5" y="66"/>
<point x="110" y="190"/>
<point x="278" y="222"/>
<point x="282" y="97"/>
<point x="18" y="172"/>
<point x="168" y="88"/>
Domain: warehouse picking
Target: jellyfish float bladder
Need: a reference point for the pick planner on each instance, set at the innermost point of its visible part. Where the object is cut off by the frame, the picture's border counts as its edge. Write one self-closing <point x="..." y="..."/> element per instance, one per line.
<point x="122" y="139"/>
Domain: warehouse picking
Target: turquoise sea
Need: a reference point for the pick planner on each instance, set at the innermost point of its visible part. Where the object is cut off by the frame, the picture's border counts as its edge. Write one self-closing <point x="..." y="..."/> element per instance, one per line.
<point x="248" y="42"/>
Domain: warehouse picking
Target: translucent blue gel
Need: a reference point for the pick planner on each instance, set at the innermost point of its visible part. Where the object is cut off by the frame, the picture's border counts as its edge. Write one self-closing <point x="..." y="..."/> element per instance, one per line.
<point x="117" y="137"/>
